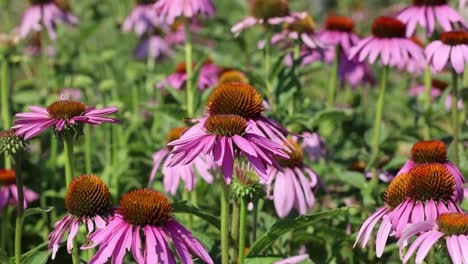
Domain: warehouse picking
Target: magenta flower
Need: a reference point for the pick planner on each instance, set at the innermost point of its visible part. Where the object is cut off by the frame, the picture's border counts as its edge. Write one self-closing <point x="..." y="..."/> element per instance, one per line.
<point x="71" y="94"/>
<point x="173" y="174"/>
<point x="61" y="115"/>
<point x="225" y="138"/>
<point x="308" y="56"/>
<point x="427" y="13"/>
<point x="143" y="19"/>
<point x="435" y="151"/>
<point x="451" y="49"/>
<point x="44" y="13"/>
<point x="438" y="87"/>
<point x="453" y="227"/>
<point x="293" y="260"/>
<point x="313" y="145"/>
<point x="148" y="213"/>
<point x="9" y="190"/>
<point x="88" y="202"/>
<point x="208" y="76"/>
<point x="339" y="31"/>
<point x="153" y="46"/>
<point x="267" y="12"/>
<point x="293" y="185"/>
<point x="172" y="9"/>
<point x="388" y="41"/>
<point x="354" y="73"/>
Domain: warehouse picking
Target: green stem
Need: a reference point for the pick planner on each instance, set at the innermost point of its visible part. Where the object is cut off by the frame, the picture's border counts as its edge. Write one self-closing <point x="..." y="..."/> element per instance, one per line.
<point x="297" y="94"/>
<point x="69" y="170"/>
<point x="428" y="100"/>
<point x="257" y="208"/>
<point x="190" y="88"/>
<point x="87" y="143"/>
<point x="136" y="102"/>
<point x="5" y="101"/>
<point x="5" y="224"/>
<point x="235" y="225"/>
<point x="224" y="224"/>
<point x="271" y="93"/>
<point x="19" y="210"/>
<point x="243" y="216"/>
<point x="333" y="79"/>
<point x="455" y="117"/>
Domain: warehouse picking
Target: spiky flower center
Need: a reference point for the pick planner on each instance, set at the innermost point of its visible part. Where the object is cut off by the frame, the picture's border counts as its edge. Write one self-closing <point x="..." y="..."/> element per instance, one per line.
<point x="454" y="38"/>
<point x="397" y="190"/>
<point x="296" y="155"/>
<point x="245" y="175"/>
<point x="175" y="133"/>
<point x="226" y="125"/>
<point x="431" y="182"/>
<point x="429" y="2"/>
<point x="439" y="84"/>
<point x="388" y="27"/>
<point x="357" y="166"/>
<point x="265" y="9"/>
<point x="429" y="151"/>
<point x="182" y="67"/>
<point x="66" y="109"/>
<point x="304" y="25"/>
<point x="339" y="23"/>
<point x="453" y="223"/>
<point x="145" y="207"/>
<point x="233" y="76"/>
<point x="417" y="41"/>
<point x="145" y="2"/>
<point x="40" y="2"/>
<point x="88" y="196"/>
<point x="7" y="177"/>
<point x="236" y="99"/>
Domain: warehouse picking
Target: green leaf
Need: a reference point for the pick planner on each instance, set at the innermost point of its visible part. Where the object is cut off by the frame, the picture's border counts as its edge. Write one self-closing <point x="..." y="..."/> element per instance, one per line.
<point x="333" y="115"/>
<point x="37" y="210"/>
<point x="185" y="207"/>
<point x="38" y="257"/>
<point x="262" y="260"/>
<point x="353" y="178"/>
<point x="4" y="256"/>
<point x="285" y="226"/>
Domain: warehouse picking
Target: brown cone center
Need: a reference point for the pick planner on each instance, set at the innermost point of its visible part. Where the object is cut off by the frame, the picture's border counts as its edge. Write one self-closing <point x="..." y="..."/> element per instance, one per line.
<point x="387" y="27"/>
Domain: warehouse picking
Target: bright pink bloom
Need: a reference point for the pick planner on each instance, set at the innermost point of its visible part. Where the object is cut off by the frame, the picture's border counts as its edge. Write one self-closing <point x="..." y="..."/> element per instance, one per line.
<point x="143" y="19"/>
<point x="154" y="46"/>
<point x="308" y="56"/>
<point x="354" y="73"/>
<point x="450" y="50"/>
<point x="427" y="13"/>
<point x="294" y="260"/>
<point x="145" y="212"/>
<point x="71" y="94"/>
<point x="388" y="41"/>
<point x="47" y="14"/>
<point x="9" y="191"/>
<point x="207" y="77"/>
<point x="339" y="31"/>
<point x="60" y="114"/>
<point x="314" y="146"/>
<point x="172" y="9"/>
<point x="224" y="138"/>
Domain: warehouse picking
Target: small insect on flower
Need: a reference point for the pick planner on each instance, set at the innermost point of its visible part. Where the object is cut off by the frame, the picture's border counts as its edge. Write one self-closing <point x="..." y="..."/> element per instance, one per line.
<point x="9" y="190"/>
<point x="63" y="115"/>
<point x="87" y="201"/>
<point x="146" y="212"/>
<point x="450" y="50"/>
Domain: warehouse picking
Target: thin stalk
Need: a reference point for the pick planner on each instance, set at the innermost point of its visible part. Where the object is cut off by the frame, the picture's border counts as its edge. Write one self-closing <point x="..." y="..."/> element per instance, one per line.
<point x="455" y="117"/>
<point x="5" y="223"/>
<point x="242" y="227"/>
<point x="427" y="102"/>
<point x="68" y="144"/>
<point x="333" y="79"/>
<point x="297" y="94"/>
<point x="224" y="224"/>
<point x="19" y="210"/>
<point x="235" y="225"/>
<point x="5" y="101"/>
<point x="257" y="208"/>
<point x="270" y="89"/>
<point x="87" y="143"/>
<point x="190" y="88"/>
<point x="136" y="102"/>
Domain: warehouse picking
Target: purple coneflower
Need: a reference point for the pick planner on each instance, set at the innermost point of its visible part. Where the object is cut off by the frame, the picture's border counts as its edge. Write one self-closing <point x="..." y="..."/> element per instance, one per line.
<point x="44" y="13"/>
<point x="208" y="76"/>
<point x="148" y="213"/>
<point x="267" y="12"/>
<point x="61" y="114"/>
<point x="225" y="138"/>
<point x="438" y="87"/>
<point x="154" y="46"/>
<point x="313" y="145"/>
<point x="173" y="174"/>
<point x="453" y="227"/>
<point x="390" y="42"/>
<point x="9" y="190"/>
<point x="143" y="18"/>
<point x="294" y="184"/>
<point x="354" y="73"/>
<point x="88" y="201"/>
<point x="293" y="260"/>
<point x="382" y="175"/>
<point x="228" y="76"/>
<point x="172" y="9"/>
<point x="339" y="30"/>
<point x="452" y="49"/>
<point x="435" y="151"/>
<point x="427" y="12"/>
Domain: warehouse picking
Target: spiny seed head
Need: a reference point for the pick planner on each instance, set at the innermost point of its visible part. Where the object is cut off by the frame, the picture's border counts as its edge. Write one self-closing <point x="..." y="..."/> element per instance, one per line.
<point x="233" y="76"/>
<point x="7" y="177"/>
<point x="175" y="133"/>
<point x="439" y="84"/>
<point x="304" y="25"/>
<point x="388" y="27"/>
<point x="40" y="2"/>
<point x="429" y="151"/>
<point x="144" y="2"/>
<point x="265" y="9"/>
<point x="296" y="155"/>
<point x="246" y="183"/>
<point x="418" y="41"/>
<point x="66" y="109"/>
<point x="397" y="190"/>
<point x="431" y="182"/>
<point x="145" y="207"/>
<point x="339" y="23"/>
<point x="454" y="38"/>
<point x="235" y="99"/>
<point x="88" y="196"/>
<point x="358" y="166"/>
<point x="10" y="143"/>
<point x="452" y="224"/>
<point x="226" y="125"/>
<point x="429" y="2"/>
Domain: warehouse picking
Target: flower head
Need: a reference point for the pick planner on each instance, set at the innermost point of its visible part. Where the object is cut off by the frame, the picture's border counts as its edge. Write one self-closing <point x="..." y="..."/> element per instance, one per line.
<point x="339" y="31"/>
<point x="450" y="50"/>
<point x="208" y="76"/>
<point x="9" y="190"/>
<point x="171" y="9"/>
<point x="233" y="76"/>
<point x="146" y="212"/>
<point x="87" y="201"/>
<point x="143" y="19"/>
<point x="63" y="115"/>
<point x="154" y="47"/>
